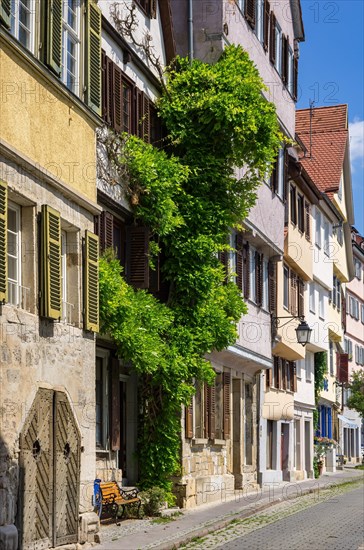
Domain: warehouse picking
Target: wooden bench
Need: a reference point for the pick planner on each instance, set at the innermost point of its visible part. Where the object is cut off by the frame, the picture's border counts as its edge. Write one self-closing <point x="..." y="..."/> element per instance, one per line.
<point x="108" y="496"/>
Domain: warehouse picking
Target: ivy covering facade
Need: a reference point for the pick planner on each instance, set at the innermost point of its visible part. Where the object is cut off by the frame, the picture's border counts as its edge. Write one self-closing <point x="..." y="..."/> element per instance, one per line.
<point x="223" y="136"/>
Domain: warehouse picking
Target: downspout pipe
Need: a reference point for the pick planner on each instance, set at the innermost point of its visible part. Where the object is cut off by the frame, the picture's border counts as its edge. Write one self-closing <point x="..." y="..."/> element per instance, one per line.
<point x="190" y="30"/>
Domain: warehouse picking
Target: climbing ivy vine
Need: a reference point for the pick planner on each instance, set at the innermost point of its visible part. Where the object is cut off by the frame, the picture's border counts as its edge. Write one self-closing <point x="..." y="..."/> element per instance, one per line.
<point x="223" y="136"/>
<point x="320" y="372"/>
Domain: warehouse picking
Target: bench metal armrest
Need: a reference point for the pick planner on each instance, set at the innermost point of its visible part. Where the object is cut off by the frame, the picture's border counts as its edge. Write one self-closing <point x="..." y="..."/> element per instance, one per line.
<point x="129" y="494"/>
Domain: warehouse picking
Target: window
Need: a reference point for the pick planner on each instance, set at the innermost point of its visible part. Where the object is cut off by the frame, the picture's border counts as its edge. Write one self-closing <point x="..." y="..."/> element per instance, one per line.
<point x="71" y="44"/>
<point x="331" y="358"/>
<point x="285" y="287"/>
<point x="321" y="304"/>
<point x="300" y="213"/>
<point x="22" y="22"/>
<point x="312" y="298"/>
<point x="278" y="173"/>
<point x="357" y="264"/>
<point x="270" y="426"/>
<point x="14" y="255"/>
<point x="248" y="425"/>
<point x="362" y="313"/>
<point x="357" y="358"/>
<point x="293" y="204"/>
<point x="339" y="235"/>
<point x="326" y="238"/>
<point x="148" y="7"/>
<point x="318" y="229"/>
<point x="309" y="366"/>
<point x="283" y="376"/>
<point x="101" y="395"/>
<point x="336" y="293"/>
<point x="209" y="412"/>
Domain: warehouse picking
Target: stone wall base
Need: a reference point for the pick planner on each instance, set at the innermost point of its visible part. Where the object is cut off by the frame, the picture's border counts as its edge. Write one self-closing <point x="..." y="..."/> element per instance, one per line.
<point x="89" y="527"/>
<point x="8" y="537"/>
<point x="192" y="492"/>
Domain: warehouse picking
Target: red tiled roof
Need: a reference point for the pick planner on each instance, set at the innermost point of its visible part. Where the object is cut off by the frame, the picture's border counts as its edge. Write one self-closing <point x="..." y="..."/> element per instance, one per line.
<point x="329" y="138"/>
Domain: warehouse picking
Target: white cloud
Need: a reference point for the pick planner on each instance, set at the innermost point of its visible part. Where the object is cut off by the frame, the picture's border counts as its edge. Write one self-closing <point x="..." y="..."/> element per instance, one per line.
<point x="356" y="132"/>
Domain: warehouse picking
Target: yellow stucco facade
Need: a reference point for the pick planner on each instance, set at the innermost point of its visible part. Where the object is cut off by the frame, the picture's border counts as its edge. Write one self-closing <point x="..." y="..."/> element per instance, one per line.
<point x="39" y="104"/>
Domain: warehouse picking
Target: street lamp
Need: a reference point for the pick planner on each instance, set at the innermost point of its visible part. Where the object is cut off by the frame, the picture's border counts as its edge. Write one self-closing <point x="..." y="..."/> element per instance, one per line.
<point x="303" y="331"/>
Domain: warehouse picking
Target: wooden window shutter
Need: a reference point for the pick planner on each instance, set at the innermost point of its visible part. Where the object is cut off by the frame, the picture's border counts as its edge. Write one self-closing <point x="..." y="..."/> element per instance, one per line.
<point x="212" y="411"/>
<point x="50" y="263"/>
<point x="259" y="278"/>
<point x="227" y="406"/>
<point x="223" y="257"/>
<point x="249" y="12"/>
<point x="272" y="287"/>
<point x="284" y="365"/>
<point x="272" y="39"/>
<point x="139" y="114"/>
<point x="117" y="98"/>
<point x="343" y="313"/>
<point x="146" y="119"/>
<point x="307" y="221"/>
<point x="138" y="261"/>
<point x="153" y="9"/>
<point x="54" y="35"/>
<point x="283" y="54"/>
<point x="301" y="299"/>
<point x="293" y="370"/>
<point x="115" y="406"/>
<point x="206" y="401"/>
<point x="3" y="241"/>
<point x="107" y="90"/>
<point x="269" y="377"/>
<point x="246" y="270"/>
<point x="189" y="420"/>
<point x="293" y="294"/>
<point x="91" y="282"/>
<point x="239" y="261"/>
<point x="295" y="78"/>
<point x="266" y="24"/>
<point x="5" y="11"/>
<point x="93" y="64"/>
<point x="106" y="228"/>
<point x="274" y="177"/>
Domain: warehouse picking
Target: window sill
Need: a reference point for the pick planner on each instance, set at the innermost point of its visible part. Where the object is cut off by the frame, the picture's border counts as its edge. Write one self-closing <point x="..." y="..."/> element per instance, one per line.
<point x="220" y="442"/>
<point x="199" y="441"/>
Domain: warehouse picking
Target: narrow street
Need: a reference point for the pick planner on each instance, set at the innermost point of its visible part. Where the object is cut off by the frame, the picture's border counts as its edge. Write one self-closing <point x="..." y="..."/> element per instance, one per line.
<point x="335" y="524"/>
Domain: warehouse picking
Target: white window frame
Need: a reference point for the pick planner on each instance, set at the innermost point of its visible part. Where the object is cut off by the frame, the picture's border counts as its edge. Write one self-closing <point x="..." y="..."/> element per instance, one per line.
<point x="278" y="40"/>
<point x="318" y="237"/>
<point x="16" y="289"/>
<point x="259" y="20"/>
<point x="357" y="269"/>
<point x="285" y="290"/>
<point x="75" y="36"/>
<point x="280" y="166"/>
<point x="326" y="237"/>
<point x="16" y="23"/>
<point x="321" y="305"/>
<point x="362" y="313"/>
<point x="312" y="298"/>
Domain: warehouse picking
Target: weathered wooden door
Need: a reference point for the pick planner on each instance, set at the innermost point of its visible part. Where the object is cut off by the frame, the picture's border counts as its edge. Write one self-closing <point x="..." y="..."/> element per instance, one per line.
<point x="49" y="473"/>
<point x="66" y="472"/>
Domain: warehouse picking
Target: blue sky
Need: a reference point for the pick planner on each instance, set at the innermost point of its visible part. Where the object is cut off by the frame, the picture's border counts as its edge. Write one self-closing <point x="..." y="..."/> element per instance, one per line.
<point x="331" y="72"/>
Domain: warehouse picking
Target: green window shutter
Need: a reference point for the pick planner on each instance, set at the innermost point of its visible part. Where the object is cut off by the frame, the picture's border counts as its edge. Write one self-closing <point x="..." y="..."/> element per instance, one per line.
<point x="54" y="35"/>
<point x="93" y="61"/>
<point x="51" y="302"/>
<point x="91" y="282"/>
<point x="3" y="241"/>
<point x="5" y="10"/>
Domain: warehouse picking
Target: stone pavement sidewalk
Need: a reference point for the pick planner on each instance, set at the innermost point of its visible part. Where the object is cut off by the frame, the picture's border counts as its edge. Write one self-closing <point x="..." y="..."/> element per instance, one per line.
<point x="198" y="522"/>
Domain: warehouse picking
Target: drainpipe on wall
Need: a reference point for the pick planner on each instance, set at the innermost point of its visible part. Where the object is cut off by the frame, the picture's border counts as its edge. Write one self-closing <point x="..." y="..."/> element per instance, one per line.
<point x="190" y="31"/>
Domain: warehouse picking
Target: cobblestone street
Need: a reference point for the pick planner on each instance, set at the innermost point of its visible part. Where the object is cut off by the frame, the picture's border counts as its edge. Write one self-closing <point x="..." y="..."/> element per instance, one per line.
<point x="336" y="523"/>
